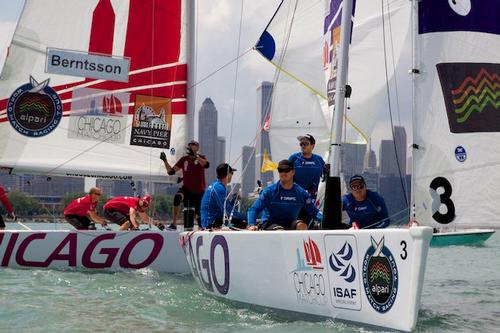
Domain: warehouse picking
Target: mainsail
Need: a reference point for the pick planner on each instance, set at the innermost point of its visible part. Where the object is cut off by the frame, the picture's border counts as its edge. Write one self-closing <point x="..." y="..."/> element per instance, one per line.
<point x="294" y="42"/>
<point x="95" y="88"/>
<point x="457" y="105"/>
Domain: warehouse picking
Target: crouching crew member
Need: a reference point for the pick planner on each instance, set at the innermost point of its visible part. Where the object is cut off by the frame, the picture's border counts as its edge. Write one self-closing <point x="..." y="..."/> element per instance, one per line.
<point x="124" y="211"/>
<point x="82" y="211"/>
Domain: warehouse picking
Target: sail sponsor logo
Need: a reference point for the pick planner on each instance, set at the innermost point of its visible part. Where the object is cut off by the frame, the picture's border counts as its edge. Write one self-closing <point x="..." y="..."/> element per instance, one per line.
<point x="458" y="15"/>
<point x="471" y="93"/>
<point x="152" y="122"/>
<point x="209" y="264"/>
<point x="308" y="276"/>
<point x="83" y="64"/>
<point x="34" y="109"/>
<point x="98" y="115"/>
<point x="343" y="272"/>
<point x="96" y="254"/>
<point x="380" y="276"/>
<point x="460" y="154"/>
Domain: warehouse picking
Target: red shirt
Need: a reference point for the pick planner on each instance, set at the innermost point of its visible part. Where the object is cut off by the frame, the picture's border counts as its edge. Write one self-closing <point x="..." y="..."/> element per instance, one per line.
<point x="123" y="204"/>
<point x="5" y="201"/>
<point x="193" y="173"/>
<point x="80" y="206"/>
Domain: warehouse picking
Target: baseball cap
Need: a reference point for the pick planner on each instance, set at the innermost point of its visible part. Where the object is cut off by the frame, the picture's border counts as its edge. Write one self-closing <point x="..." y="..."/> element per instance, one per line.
<point x="356" y="178"/>
<point x="308" y="137"/>
<point x="285" y="164"/>
<point x="223" y="169"/>
<point x="147" y="199"/>
<point x="193" y="142"/>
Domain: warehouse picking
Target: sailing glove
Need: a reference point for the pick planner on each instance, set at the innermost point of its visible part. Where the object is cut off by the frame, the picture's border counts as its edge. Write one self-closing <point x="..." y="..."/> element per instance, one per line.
<point x="163" y="157"/>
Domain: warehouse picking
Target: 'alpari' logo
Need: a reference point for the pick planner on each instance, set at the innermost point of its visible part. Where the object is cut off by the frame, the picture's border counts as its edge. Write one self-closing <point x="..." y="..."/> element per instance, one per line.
<point x="34" y="109"/>
<point x="380" y="276"/>
<point x="340" y="263"/>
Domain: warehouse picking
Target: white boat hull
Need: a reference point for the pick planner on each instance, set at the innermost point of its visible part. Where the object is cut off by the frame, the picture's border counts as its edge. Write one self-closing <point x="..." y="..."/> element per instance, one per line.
<point x="93" y="250"/>
<point x="373" y="277"/>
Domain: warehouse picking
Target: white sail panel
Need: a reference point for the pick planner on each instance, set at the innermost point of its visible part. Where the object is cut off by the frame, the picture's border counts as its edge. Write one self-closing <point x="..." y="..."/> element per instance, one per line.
<point x="457" y="106"/>
<point x="116" y="138"/>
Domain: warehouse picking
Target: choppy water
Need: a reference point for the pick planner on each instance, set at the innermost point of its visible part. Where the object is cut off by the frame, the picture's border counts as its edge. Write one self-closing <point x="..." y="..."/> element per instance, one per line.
<point x="461" y="294"/>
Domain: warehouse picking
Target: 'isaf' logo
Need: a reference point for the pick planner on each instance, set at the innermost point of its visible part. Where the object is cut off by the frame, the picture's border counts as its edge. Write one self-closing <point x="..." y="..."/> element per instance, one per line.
<point x="340" y="262"/>
<point x="34" y="109"/>
<point x="380" y="276"/>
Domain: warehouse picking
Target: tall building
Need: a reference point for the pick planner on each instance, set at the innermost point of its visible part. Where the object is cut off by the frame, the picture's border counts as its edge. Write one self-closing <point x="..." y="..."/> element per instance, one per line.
<point x="248" y="171"/>
<point x="207" y="135"/>
<point x="370" y="160"/>
<point x="393" y="154"/>
<point x="264" y="98"/>
<point x="221" y="151"/>
<point x="401" y="144"/>
<point x="352" y="159"/>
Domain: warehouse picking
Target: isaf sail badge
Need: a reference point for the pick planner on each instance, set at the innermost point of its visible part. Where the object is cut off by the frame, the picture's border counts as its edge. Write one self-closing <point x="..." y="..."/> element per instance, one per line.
<point x="34" y="109"/>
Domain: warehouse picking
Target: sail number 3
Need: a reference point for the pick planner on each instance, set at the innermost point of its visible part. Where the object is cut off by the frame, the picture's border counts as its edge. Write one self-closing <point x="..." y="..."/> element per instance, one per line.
<point x="443" y="199"/>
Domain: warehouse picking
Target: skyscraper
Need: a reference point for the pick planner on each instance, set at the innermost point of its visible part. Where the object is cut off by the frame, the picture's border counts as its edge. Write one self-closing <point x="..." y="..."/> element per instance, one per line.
<point x="389" y="164"/>
<point x="264" y="97"/>
<point x="221" y="151"/>
<point x="207" y="135"/>
<point x="400" y="141"/>
<point x="248" y="170"/>
<point x="352" y="159"/>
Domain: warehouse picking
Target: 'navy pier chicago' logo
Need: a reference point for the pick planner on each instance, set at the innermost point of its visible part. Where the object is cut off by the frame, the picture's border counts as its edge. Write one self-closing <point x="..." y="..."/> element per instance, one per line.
<point x="380" y="276"/>
<point x="34" y="109"/>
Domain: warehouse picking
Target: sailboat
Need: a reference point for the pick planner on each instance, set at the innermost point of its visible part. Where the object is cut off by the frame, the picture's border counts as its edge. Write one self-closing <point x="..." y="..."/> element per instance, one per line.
<point x="457" y="87"/>
<point x="372" y="277"/>
<point x="95" y="89"/>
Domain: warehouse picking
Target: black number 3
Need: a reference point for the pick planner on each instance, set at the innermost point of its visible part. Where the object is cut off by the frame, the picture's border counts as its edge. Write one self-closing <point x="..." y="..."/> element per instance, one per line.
<point x="444" y="199"/>
<point x="404" y="254"/>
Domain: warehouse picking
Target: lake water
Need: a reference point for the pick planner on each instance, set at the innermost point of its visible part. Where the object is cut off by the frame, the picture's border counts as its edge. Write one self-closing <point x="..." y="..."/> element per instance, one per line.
<point x="461" y="294"/>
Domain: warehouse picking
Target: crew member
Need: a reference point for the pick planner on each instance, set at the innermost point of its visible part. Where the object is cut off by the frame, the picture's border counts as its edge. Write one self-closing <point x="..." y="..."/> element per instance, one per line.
<point x="82" y="211"/>
<point x="125" y="210"/>
<point x="8" y="207"/>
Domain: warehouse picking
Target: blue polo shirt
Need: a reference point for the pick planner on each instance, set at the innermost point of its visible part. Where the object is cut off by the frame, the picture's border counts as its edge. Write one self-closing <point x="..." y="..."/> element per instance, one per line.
<point x="367" y="212"/>
<point x="308" y="172"/>
<point x="212" y="204"/>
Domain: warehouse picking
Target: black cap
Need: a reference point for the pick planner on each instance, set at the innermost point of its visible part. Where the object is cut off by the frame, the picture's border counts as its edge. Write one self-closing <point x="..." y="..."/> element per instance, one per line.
<point x="193" y="142"/>
<point x="356" y="178"/>
<point x="308" y="137"/>
<point x="223" y="169"/>
<point x="285" y="164"/>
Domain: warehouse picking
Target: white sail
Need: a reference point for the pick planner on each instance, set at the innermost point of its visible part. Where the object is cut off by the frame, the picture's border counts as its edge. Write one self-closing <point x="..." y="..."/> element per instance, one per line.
<point x="457" y="104"/>
<point x="65" y="110"/>
<point x="294" y="42"/>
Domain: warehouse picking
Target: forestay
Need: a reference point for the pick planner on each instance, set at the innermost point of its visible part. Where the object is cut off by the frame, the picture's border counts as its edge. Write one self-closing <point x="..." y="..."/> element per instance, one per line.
<point x="457" y="109"/>
<point x="373" y="277"/>
<point x="95" y="88"/>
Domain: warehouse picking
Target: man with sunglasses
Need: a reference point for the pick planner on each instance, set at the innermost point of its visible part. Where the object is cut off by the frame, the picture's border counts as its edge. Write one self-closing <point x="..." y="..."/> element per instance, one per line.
<point x="308" y="170"/>
<point x="193" y="167"/>
<point x="82" y="211"/>
<point x="282" y="202"/>
<point x="366" y="209"/>
<point x="215" y="203"/>
<point x="124" y="211"/>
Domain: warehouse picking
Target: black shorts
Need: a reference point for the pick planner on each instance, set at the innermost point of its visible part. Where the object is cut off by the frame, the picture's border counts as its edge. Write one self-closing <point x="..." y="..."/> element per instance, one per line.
<point x="270" y="225"/>
<point x="304" y="216"/>
<point x="2" y="223"/>
<point x="116" y="216"/>
<point x="237" y="223"/>
<point x="79" y="222"/>
<point x="191" y="199"/>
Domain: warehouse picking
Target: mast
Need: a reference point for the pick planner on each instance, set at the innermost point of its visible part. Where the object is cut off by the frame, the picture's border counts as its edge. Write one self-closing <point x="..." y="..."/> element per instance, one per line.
<point x="414" y="72"/>
<point x="191" y="57"/>
<point x="333" y="204"/>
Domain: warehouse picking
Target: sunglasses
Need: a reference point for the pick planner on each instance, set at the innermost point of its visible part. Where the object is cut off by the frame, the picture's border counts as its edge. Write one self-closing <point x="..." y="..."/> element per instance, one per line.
<point x="98" y="194"/>
<point x="358" y="187"/>
<point x="284" y="170"/>
<point x="304" y="144"/>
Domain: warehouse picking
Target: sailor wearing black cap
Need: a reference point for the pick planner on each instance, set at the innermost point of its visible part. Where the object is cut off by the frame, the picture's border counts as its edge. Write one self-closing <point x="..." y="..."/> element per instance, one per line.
<point x="366" y="209"/>
<point x="215" y="199"/>
<point x="282" y="202"/>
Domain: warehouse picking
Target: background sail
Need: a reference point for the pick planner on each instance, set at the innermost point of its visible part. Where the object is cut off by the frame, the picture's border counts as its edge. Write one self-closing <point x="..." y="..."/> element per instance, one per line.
<point x="294" y="41"/>
<point x="457" y="113"/>
<point x="108" y="128"/>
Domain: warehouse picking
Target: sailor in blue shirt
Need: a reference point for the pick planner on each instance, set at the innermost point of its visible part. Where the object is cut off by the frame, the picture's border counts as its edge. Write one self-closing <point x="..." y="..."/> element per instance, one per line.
<point x="308" y="169"/>
<point x="282" y="202"/>
<point x="366" y="209"/>
<point x="212" y="203"/>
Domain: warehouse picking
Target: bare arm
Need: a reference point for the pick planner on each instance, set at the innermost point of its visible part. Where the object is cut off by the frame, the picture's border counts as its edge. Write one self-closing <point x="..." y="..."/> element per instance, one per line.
<point x="145" y="217"/>
<point x="133" y="220"/>
<point x="96" y="218"/>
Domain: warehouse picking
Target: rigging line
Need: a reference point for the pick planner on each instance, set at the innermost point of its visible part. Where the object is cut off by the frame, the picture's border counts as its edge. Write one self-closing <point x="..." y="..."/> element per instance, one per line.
<point x="395" y="76"/>
<point x="235" y="86"/>
<point x="220" y="68"/>
<point x="390" y="108"/>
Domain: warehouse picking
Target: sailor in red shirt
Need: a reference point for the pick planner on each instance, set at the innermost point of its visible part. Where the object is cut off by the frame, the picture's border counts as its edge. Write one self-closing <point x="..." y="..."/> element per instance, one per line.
<point x="77" y="213"/>
<point x="8" y="207"/>
<point x="123" y="211"/>
<point x="193" y="167"/>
